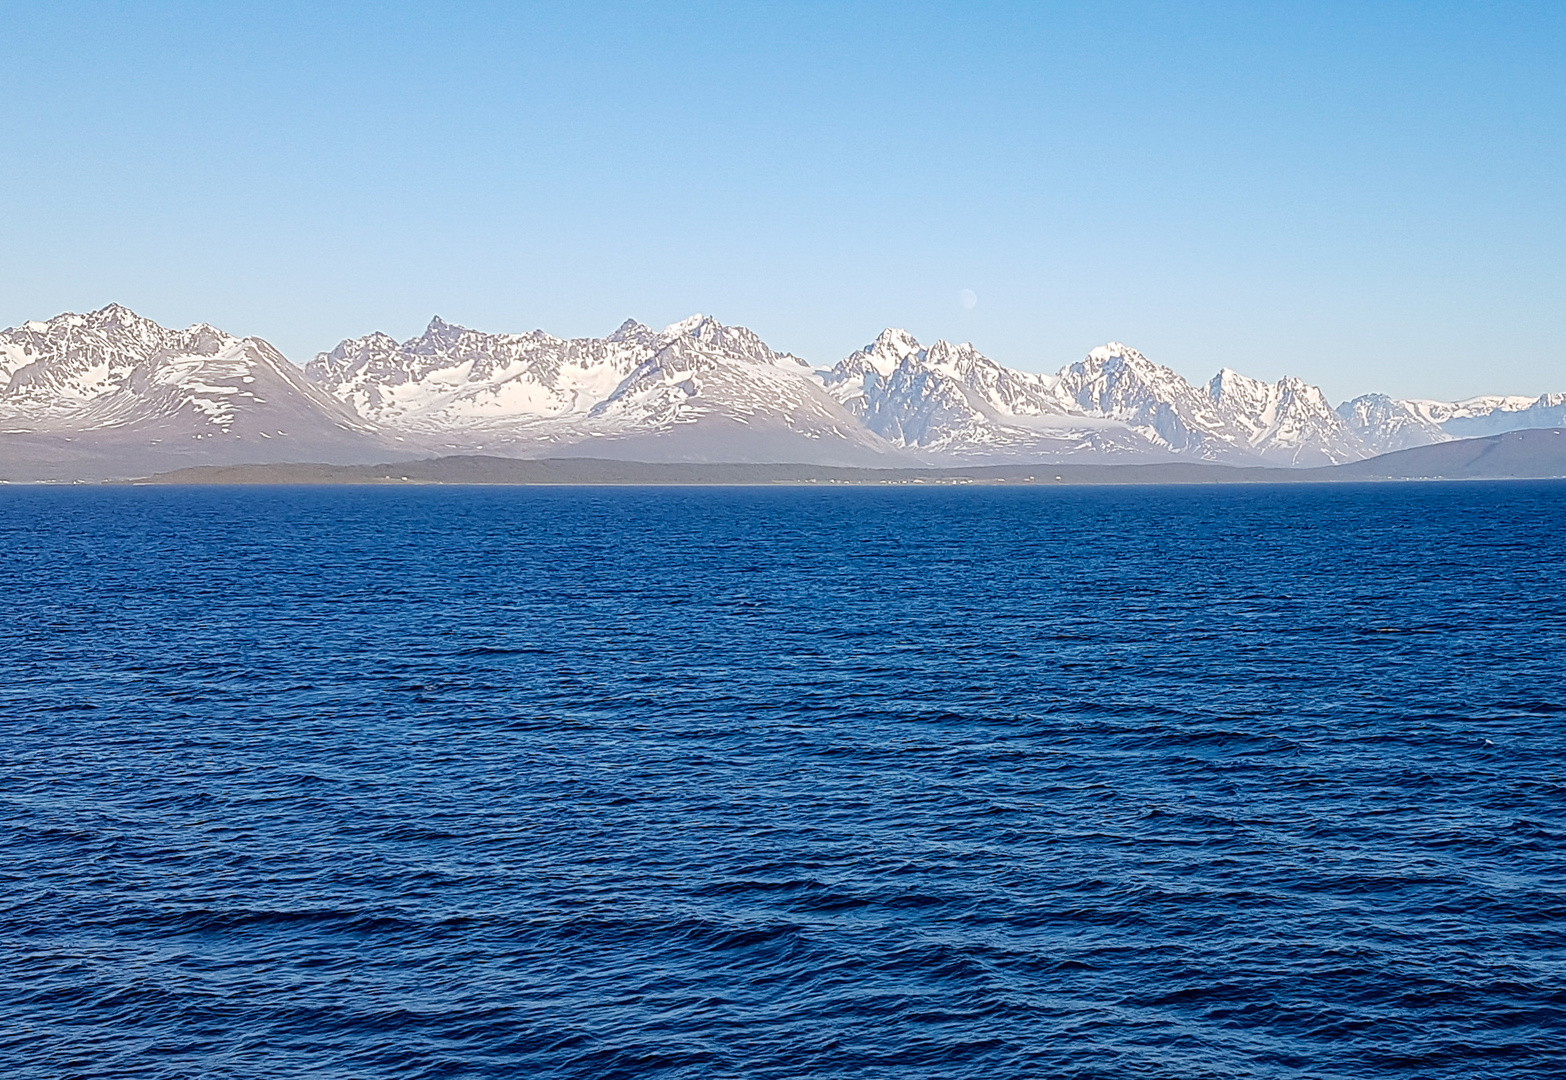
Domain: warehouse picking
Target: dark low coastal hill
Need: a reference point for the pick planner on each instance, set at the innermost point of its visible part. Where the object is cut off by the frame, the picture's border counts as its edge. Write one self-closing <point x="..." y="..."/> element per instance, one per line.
<point x="1536" y="454"/>
<point x="1529" y="454"/>
<point x="498" y="470"/>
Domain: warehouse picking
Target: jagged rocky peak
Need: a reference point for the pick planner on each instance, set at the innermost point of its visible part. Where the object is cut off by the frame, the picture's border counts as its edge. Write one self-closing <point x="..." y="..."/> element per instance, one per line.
<point x="956" y="357"/>
<point x="1114" y="353"/>
<point x="1388" y="424"/>
<point x="76" y="357"/>
<point x="698" y="379"/>
<point x="453" y="379"/>
<point x="112" y="332"/>
<point x="851" y="375"/>
<point x="721" y="392"/>
<point x="1232" y="417"/>
<point x="441" y="330"/>
<point x="1258" y="403"/>
<point x="376" y="354"/>
<point x="898" y="348"/>
<point x="109" y="319"/>
<point x="696" y="326"/>
<point x="890" y="348"/>
<point x="704" y="336"/>
<point x="114" y="373"/>
<point x="1385" y="424"/>
<point x="631" y="330"/>
<point x="1298" y="397"/>
<point x="1229" y="387"/>
<point x="946" y="398"/>
<point x="1116" y="380"/>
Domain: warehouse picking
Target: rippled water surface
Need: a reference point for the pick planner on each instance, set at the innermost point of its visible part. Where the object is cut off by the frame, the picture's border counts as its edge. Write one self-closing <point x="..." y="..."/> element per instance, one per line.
<point x="336" y="782"/>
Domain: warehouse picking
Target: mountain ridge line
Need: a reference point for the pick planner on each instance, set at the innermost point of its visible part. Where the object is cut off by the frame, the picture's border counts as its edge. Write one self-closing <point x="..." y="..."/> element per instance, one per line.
<point x="112" y="395"/>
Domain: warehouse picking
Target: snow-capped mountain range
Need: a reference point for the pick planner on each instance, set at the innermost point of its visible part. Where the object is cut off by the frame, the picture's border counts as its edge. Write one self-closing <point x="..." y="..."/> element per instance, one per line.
<point x="140" y="395"/>
<point x="119" y="375"/>
<point x="697" y="390"/>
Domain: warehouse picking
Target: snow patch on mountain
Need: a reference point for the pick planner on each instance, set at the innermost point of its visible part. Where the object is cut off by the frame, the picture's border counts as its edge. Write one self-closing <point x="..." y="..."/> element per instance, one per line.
<point x="1286" y="421"/>
<point x="952" y="401"/>
<point x="949" y="402"/>
<point x="453" y="378"/>
<point x="112" y="368"/>
<point x="697" y="390"/>
<point x="1387" y="424"/>
<point x="728" y="393"/>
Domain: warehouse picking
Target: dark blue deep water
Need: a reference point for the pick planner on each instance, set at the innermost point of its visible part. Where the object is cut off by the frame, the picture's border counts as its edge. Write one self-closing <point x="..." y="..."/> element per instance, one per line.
<point x="988" y="783"/>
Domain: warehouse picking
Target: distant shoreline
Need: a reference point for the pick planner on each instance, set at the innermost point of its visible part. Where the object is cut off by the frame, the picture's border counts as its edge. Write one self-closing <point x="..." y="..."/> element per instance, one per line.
<point x="1535" y="454"/>
<point x="492" y="471"/>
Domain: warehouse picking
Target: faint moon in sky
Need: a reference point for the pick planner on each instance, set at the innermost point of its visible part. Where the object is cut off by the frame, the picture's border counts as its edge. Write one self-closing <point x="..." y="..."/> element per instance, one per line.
<point x="968" y="299"/>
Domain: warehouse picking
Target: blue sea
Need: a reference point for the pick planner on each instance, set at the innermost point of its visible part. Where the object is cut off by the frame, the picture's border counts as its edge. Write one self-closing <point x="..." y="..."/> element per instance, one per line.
<point x="783" y="782"/>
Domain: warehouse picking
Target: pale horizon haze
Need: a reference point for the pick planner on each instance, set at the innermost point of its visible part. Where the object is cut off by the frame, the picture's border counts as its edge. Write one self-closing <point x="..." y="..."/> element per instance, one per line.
<point x="1369" y="196"/>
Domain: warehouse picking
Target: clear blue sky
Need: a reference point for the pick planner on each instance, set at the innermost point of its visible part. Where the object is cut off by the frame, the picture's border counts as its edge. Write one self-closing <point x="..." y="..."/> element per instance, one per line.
<point x="1370" y="195"/>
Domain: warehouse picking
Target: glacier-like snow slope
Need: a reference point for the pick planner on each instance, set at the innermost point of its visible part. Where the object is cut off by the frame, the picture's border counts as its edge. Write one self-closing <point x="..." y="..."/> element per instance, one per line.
<point x="122" y="387"/>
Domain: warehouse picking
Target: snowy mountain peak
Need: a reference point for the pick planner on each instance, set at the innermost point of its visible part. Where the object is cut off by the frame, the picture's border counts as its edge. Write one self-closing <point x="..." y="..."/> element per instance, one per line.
<point x="898" y="340"/>
<point x="696" y="390"/>
<point x="470" y="389"/>
<point x="110" y="315"/>
<point x="894" y="343"/>
<point x="947" y="399"/>
<point x="1232" y="417"/>
<point x="1113" y="350"/>
<point x="1229" y="385"/>
<point x="1387" y="424"/>
<point x="1116" y="379"/>
<point x="704" y="337"/>
<point x="1294" y="388"/>
<point x="631" y="330"/>
<point x="691" y="324"/>
<point x="1384" y="424"/>
<point x="70" y="358"/>
<point x="112" y="369"/>
<point x="113" y="325"/>
<point x="882" y="356"/>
